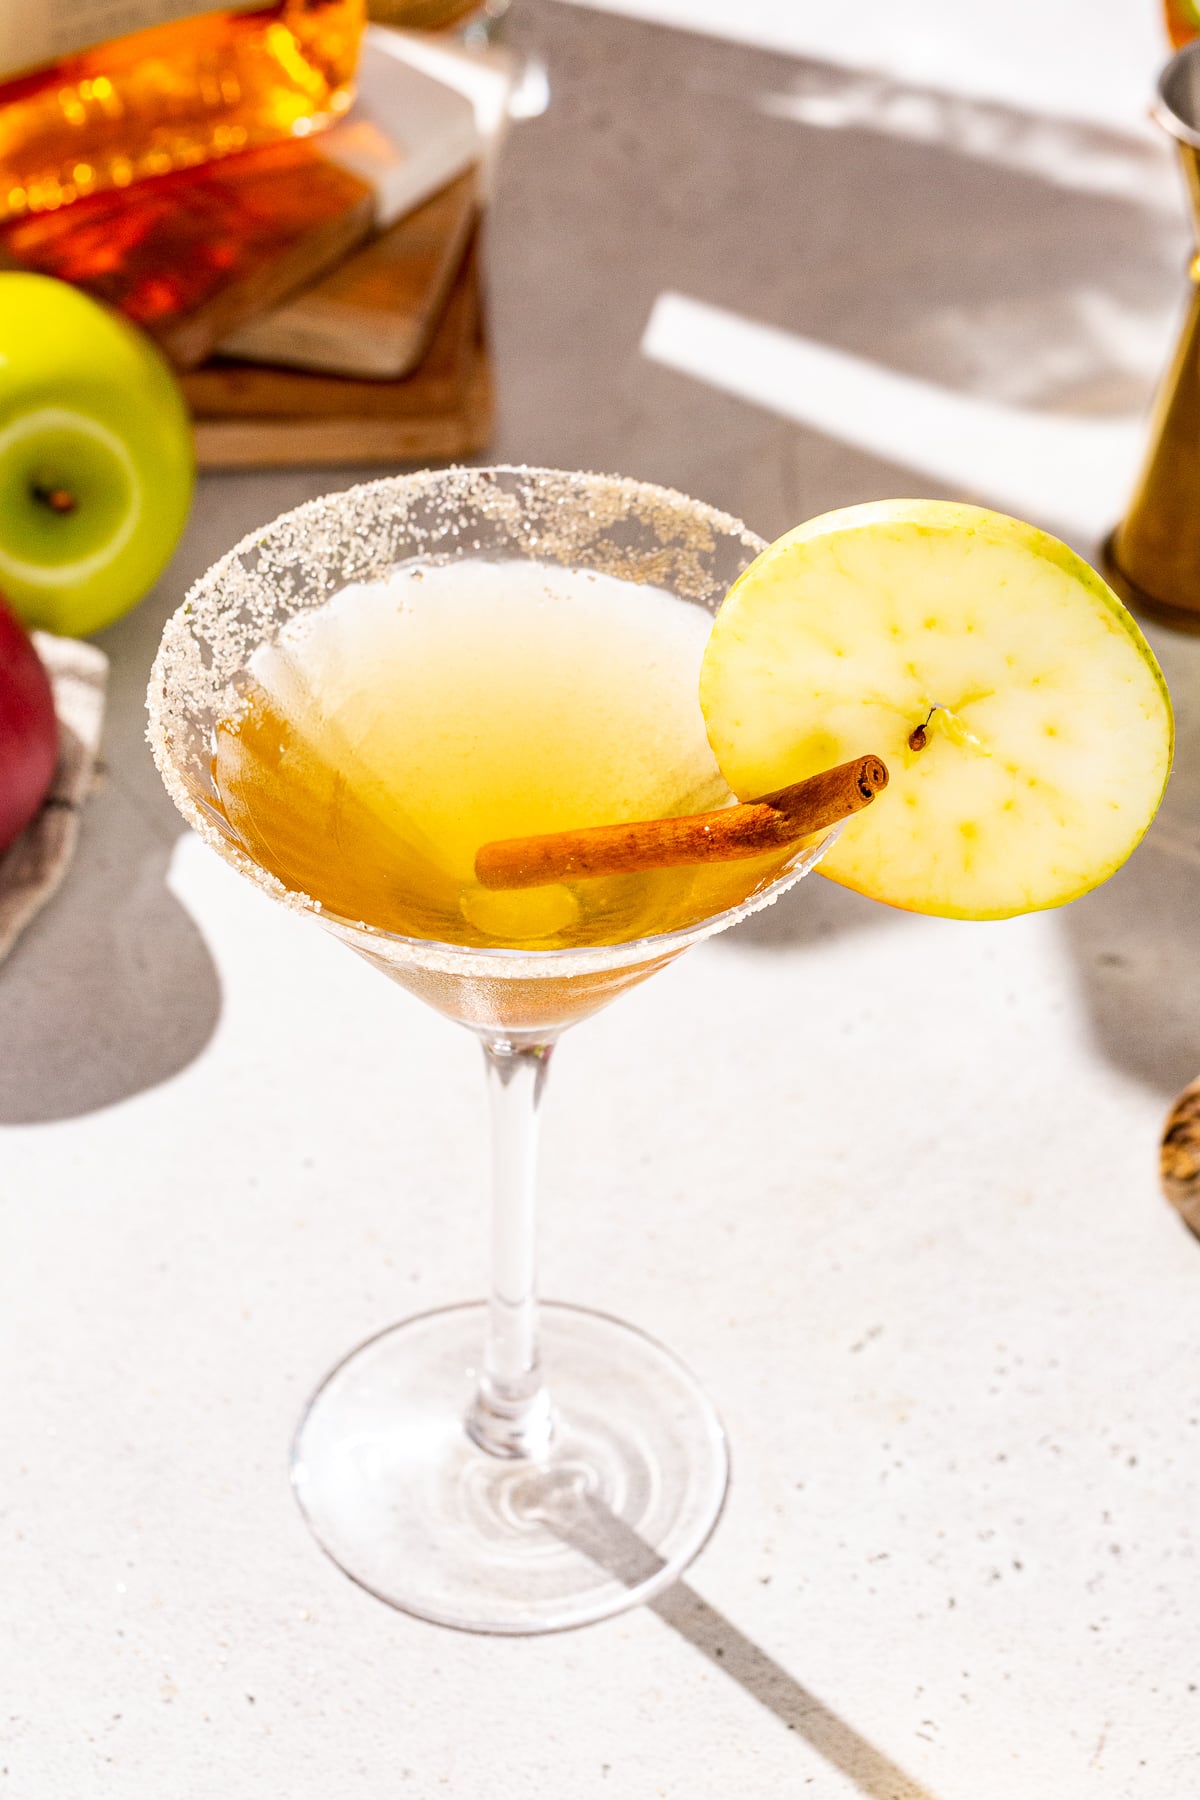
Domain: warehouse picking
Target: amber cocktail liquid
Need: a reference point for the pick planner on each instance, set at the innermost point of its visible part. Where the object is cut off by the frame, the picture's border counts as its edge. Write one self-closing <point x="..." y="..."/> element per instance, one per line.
<point x="394" y="730"/>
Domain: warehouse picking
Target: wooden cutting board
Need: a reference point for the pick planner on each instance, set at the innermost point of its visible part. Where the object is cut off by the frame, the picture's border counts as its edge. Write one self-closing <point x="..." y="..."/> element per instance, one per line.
<point x="374" y="314"/>
<point x="246" y="417"/>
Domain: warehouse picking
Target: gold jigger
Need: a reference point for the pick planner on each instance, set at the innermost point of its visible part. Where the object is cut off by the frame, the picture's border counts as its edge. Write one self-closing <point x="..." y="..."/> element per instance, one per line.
<point x="1153" y="556"/>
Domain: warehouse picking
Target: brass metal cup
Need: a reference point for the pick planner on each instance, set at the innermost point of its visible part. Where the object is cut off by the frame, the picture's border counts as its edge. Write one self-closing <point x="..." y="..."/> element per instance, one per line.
<point x="1153" y="556"/>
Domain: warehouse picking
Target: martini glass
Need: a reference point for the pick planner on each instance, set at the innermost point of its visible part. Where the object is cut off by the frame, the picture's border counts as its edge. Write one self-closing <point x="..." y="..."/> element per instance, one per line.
<point x="458" y="1464"/>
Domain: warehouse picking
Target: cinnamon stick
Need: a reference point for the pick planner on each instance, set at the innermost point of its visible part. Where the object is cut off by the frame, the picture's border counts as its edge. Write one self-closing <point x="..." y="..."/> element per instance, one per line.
<point x="732" y="832"/>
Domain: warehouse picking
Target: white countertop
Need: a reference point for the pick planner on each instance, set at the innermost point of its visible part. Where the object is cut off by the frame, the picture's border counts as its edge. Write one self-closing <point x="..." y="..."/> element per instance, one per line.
<point x="887" y="1184"/>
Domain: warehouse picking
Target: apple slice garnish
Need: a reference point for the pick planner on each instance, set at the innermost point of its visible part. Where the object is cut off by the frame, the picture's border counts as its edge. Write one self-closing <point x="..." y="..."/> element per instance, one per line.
<point x="1022" y="715"/>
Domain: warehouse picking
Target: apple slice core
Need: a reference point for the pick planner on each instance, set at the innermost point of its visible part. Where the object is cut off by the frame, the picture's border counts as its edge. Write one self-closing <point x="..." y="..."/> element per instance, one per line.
<point x="1020" y="711"/>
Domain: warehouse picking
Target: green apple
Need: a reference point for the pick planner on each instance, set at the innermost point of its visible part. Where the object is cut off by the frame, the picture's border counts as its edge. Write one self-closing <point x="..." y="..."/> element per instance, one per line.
<point x="1020" y="711"/>
<point x="96" y="461"/>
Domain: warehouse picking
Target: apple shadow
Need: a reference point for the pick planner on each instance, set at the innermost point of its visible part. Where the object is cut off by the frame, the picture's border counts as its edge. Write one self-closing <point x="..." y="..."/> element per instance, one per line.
<point x="111" y="988"/>
<point x="1135" y="942"/>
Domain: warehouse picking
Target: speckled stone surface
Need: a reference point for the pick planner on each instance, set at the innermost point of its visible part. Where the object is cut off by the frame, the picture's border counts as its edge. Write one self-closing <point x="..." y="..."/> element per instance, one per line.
<point x="887" y="1184"/>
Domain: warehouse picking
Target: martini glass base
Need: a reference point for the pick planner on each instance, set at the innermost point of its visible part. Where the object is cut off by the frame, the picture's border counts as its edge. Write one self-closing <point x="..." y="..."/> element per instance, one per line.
<point x="404" y="1502"/>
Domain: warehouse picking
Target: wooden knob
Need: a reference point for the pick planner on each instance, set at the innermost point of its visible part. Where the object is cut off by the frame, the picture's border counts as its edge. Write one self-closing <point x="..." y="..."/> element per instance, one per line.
<point x="1179" y="1159"/>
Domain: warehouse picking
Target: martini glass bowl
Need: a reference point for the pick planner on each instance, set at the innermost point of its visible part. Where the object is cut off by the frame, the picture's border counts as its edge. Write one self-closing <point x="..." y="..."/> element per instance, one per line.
<point x="498" y="1466"/>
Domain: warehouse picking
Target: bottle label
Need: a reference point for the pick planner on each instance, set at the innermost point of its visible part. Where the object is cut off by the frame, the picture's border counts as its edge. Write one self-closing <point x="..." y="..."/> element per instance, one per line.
<point x="49" y="29"/>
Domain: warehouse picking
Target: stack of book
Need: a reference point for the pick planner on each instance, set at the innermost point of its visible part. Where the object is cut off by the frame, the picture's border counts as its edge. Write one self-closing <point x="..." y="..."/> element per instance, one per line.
<point x="322" y="299"/>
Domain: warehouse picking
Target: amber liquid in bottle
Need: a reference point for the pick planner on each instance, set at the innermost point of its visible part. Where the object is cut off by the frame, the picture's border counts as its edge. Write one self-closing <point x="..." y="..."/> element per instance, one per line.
<point x="1182" y="20"/>
<point x="173" y="96"/>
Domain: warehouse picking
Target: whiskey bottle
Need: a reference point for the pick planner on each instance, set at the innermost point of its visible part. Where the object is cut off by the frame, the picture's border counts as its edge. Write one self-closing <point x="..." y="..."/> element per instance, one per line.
<point x="96" y="94"/>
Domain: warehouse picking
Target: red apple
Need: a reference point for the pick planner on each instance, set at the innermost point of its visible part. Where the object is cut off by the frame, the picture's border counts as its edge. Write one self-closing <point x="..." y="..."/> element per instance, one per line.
<point x="28" y="729"/>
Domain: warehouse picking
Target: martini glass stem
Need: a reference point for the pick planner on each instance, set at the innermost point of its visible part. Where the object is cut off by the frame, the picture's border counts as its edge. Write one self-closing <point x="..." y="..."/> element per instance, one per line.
<point x="511" y="1415"/>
